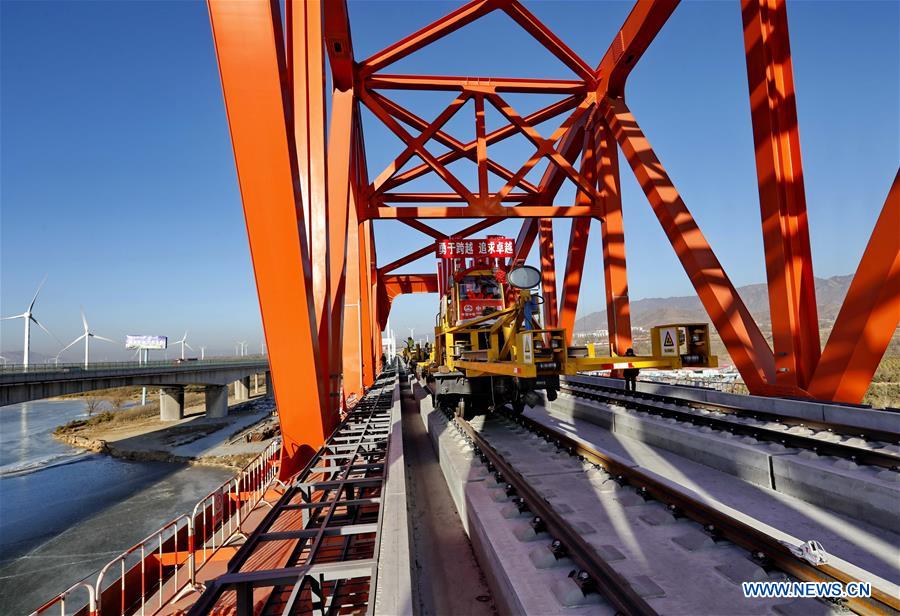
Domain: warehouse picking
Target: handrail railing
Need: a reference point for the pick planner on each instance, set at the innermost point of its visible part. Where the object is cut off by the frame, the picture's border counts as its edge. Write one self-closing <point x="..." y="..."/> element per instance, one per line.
<point x="177" y="544"/>
<point x="60" y="600"/>
<point x="219" y="515"/>
<point x="163" y="363"/>
<point x="168" y="534"/>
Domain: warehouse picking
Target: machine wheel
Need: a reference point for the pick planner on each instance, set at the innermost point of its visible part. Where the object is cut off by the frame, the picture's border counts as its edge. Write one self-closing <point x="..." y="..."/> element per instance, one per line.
<point x="464" y="410"/>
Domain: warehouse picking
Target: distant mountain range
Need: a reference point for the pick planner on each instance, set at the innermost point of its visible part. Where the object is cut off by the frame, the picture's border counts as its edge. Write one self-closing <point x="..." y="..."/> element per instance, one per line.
<point x="652" y="311"/>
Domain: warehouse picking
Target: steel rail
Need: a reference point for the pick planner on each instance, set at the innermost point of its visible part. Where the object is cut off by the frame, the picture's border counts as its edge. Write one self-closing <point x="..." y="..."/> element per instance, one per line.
<point x="610" y="584"/>
<point x="731" y="409"/>
<point x="765" y="548"/>
<point x="859" y="455"/>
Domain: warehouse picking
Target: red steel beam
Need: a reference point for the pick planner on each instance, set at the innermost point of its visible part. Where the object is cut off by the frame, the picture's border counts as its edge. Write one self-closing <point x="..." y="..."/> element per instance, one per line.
<point x="468" y="150"/>
<point x="443" y="138"/>
<point x="462" y="84"/>
<point x="352" y="350"/>
<point x="548" y="271"/>
<point x="444" y="197"/>
<point x="341" y="160"/>
<point x="643" y="23"/>
<point x="524" y="241"/>
<point x="482" y="211"/>
<point x="338" y="44"/>
<point x="615" y="274"/>
<point x="305" y="40"/>
<point x="746" y="344"/>
<point x="398" y="284"/>
<point x="869" y="316"/>
<point x="450" y="23"/>
<point x="429" y="249"/>
<point x="549" y="40"/>
<point x="546" y="147"/>
<point x="416" y="145"/>
<point x="792" y="290"/>
<point x="421" y="226"/>
<point x="578" y="239"/>
<point x="481" y="148"/>
<point x="367" y="303"/>
<point x="252" y="64"/>
<point x="441" y="171"/>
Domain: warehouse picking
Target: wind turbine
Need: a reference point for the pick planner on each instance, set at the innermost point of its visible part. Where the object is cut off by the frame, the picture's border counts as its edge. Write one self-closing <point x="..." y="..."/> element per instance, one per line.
<point x="203" y="352"/>
<point x="183" y="344"/>
<point x="28" y="316"/>
<point x="243" y="348"/>
<point x="87" y="335"/>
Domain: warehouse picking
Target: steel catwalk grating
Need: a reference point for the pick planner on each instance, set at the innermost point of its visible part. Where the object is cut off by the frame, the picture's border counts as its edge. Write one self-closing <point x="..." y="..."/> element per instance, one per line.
<point x="316" y="550"/>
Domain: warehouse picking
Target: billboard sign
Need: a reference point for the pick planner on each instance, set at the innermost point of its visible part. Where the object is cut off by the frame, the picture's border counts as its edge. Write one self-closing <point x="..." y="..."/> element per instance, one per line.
<point x="146" y="342"/>
<point x="491" y="248"/>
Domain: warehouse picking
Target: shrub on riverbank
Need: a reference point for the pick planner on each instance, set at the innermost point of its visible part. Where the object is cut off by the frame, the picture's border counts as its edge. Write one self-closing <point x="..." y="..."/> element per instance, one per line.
<point x="111" y="418"/>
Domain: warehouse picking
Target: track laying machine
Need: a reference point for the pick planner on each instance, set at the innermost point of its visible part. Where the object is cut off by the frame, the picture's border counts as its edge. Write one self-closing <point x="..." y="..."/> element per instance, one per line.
<point x="490" y="348"/>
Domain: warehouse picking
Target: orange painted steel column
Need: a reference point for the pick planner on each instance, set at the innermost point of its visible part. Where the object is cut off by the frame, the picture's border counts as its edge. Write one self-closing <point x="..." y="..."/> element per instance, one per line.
<point x="366" y="304"/>
<point x="869" y="316"/>
<point x="307" y="53"/>
<point x="615" y="273"/>
<point x="524" y="241"/>
<point x="548" y="271"/>
<point x="251" y="63"/>
<point x="792" y="292"/>
<point x="341" y="160"/>
<point x="746" y="344"/>
<point x="352" y="345"/>
<point x="578" y="236"/>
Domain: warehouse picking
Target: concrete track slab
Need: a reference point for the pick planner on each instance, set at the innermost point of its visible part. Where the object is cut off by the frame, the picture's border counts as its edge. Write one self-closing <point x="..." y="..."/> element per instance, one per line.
<point x="871" y="549"/>
<point x="870" y="493"/>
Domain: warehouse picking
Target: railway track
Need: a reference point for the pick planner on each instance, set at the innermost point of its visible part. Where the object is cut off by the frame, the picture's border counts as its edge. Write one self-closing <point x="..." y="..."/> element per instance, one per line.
<point x="860" y="445"/>
<point x="680" y="538"/>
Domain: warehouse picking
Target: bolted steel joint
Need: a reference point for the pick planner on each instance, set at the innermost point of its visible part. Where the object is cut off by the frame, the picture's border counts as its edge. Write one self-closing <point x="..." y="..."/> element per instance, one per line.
<point x="558" y="549"/>
<point x="520" y="504"/>
<point x="584" y="581"/>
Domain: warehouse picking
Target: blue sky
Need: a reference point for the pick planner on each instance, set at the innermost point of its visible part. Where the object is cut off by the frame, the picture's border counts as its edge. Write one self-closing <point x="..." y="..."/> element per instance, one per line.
<point x="118" y="178"/>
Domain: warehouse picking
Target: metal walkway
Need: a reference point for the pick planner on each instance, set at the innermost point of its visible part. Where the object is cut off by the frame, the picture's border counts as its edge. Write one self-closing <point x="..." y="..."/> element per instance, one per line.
<point x="317" y="549"/>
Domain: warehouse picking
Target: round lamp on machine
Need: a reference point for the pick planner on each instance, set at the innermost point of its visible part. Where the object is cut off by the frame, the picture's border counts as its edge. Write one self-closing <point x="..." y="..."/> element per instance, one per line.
<point x="524" y="277"/>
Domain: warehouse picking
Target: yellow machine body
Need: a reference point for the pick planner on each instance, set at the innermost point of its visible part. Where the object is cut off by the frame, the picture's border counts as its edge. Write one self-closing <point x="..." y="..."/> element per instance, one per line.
<point x="490" y="348"/>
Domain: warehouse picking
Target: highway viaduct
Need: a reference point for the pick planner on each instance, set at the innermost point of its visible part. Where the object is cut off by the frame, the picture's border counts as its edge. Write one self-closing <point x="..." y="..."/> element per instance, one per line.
<point x="39" y="382"/>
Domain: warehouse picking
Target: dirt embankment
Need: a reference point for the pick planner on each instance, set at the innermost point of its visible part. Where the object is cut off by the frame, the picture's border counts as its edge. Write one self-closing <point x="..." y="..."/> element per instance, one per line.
<point x="136" y="433"/>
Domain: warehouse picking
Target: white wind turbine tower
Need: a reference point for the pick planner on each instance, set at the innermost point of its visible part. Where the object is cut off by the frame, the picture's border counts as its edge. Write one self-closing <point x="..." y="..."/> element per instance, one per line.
<point x="28" y="317"/>
<point x="87" y="335"/>
<point x="183" y="343"/>
<point x="243" y="348"/>
<point x="203" y="352"/>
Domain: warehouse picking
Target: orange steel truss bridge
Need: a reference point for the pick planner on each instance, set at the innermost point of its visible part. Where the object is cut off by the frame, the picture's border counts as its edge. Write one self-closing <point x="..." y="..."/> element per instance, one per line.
<point x="310" y="201"/>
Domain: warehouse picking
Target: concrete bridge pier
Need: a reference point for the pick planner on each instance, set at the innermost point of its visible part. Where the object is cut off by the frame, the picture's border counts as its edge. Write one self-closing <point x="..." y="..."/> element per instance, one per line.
<point x="270" y="386"/>
<point x="242" y="389"/>
<point x="171" y="403"/>
<point x="216" y="400"/>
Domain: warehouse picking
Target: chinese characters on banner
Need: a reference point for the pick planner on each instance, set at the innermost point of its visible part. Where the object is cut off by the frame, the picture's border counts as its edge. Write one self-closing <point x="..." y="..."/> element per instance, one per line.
<point x="493" y="248"/>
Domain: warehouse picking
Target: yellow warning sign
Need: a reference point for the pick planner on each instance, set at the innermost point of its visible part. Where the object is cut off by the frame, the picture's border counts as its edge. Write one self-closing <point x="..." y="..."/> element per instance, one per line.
<point x="668" y="340"/>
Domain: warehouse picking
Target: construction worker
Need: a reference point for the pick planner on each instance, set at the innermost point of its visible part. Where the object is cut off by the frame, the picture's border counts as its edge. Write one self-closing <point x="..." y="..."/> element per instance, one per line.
<point x="630" y="374"/>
